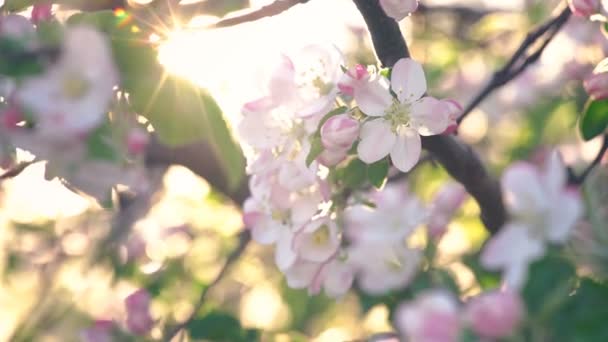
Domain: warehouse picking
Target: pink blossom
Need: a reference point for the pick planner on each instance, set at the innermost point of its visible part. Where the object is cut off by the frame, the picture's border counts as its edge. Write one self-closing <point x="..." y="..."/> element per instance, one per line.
<point x="399" y="9"/>
<point x="11" y="116"/>
<point x="41" y="11"/>
<point x="584" y="8"/>
<point x="339" y="132"/>
<point x="16" y="27"/>
<point x="331" y="158"/>
<point x="495" y="314"/>
<point x="395" y="125"/>
<point x="445" y="204"/>
<point x="596" y="84"/>
<point x="137" y="141"/>
<point x="318" y="240"/>
<point x="137" y="306"/>
<point x="355" y="78"/>
<point x="101" y="331"/>
<point x="454" y="111"/>
<point x="542" y="211"/>
<point x="432" y="317"/>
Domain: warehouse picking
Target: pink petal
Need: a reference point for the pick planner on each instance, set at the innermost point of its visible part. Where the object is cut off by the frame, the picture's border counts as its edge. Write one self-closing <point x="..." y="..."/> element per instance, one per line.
<point x="377" y="140"/>
<point x="554" y="174"/>
<point x="430" y="116"/>
<point x="566" y="211"/>
<point x="408" y="80"/>
<point x="523" y="191"/>
<point x="498" y="253"/>
<point x="406" y="151"/>
<point x="284" y="255"/>
<point x="373" y="98"/>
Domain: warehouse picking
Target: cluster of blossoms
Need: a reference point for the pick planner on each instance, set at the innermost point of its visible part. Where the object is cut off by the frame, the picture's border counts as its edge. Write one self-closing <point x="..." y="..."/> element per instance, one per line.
<point x="57" y="113"/>
<point x="138" y="321"/>
<point x="301" y="146"/>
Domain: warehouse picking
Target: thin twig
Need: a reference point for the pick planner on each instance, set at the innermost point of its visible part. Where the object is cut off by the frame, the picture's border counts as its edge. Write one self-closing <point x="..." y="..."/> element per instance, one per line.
<point x="275" y="8"/>
<point x="578" y="180"/>
<point x="244" y="238"/>
<point x="520" y="61"/>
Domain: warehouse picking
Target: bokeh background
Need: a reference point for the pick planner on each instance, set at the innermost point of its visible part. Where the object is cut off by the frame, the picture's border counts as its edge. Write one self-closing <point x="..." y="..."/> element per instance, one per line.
<point x="56" y="279"/>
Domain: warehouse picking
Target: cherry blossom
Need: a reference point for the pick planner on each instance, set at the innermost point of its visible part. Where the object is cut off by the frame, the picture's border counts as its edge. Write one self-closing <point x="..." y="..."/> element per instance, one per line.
<point x="399" y="9"/>
<point x="542" y="211"/>
<point x="445" y="204"/>
<point x="42" y="11"/>
<point x="72" y="96"/>
<point x="354" y="79"/>
<point x="339" y="132"/>
<point x="495" y="314"/>
<point x="395" y="125"/>
<point x="584" y="8"/>
<point x="432" y="317"/>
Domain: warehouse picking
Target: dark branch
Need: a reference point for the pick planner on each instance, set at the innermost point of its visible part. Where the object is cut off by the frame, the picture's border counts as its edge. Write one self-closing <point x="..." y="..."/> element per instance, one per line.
<point x="275" y="8"/>
<point x="521" y="59"/>
<point x="461" y="162"/>
<point x="578" y="180"/>
<point x="15" y="170"/>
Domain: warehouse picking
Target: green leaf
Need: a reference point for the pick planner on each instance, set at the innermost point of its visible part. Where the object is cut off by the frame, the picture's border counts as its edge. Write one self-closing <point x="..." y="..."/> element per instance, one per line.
<point x="355" y="173"/>
<point x="377" y="173"/>
<point x="16" y="60"/>
<point x="100" y="144"/>
<point x="218" y="326"/>
<point x="594" y="119"/>
<point x="316" y="148"/>
<point x="18" y="5"/>
<point x="549" y="281"/>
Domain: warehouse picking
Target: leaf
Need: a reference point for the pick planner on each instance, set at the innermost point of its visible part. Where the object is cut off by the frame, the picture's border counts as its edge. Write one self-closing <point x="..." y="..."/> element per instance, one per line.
<point x="219" y="326"/>
<point x="16" y="61"/>
<point x="594" y="119"/>
<point x="549" y="280"/>
<point x="354" y="174"/>
<point x="377" y="173"/>
<point x="316" y="148"/>
<point x="100" y="145"/>
<point x="18" y="5"/>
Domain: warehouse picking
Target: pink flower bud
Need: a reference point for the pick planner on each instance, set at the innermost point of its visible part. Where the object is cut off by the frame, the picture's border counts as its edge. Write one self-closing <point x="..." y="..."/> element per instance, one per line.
<point x="432" y="316"/>
<point x="596" y="85"/>
<point x="339" y="132"/>
<point x="137" y="305"/>
<point x="352" y="79"/>
<point x="137" y="141"/>
<point x="41" y="11"/>
<point x="11" y="117"/>
<point x="584" y="8"/>
<point x="331" y="158"/>
<point x="101" y="331"/>
<point x="495" y="314"/>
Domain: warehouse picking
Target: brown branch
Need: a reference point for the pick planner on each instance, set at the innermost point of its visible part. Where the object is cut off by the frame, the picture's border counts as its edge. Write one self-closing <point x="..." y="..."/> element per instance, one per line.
<point x="15" y="170"/>
<point x="461" y="162"/>
<point x="275" y="8"/>
<point x="521" y="59"/>
<point x="580" y="179"/>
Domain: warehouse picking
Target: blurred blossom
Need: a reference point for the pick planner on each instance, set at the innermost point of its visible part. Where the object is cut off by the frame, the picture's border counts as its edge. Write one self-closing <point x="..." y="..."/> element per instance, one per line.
<point x="137" y="141"/>
<point x="431" y="317"/>
<point x="41" y="11"/>
<point x="399" y="9"/>
<point x="542" y="211"/>
<point x="596" y="84"/>
<point x="137" y="306"/>
<point x="584" y="8"/>
<point x="446" y="203"/>
<point x="16" y="27"/>
<point x="495" y="314"/>
<point x="101" y="331"/>
<point x="339" y="132"/>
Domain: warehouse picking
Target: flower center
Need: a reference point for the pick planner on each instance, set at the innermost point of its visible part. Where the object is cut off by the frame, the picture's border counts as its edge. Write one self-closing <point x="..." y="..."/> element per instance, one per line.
<point x="75" y="87"/>
<point x="321" y="235"/>
<point x="398" y="115"/>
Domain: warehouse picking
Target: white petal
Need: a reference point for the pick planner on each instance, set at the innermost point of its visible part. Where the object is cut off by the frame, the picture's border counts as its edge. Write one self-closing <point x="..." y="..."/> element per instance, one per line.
<point x="301" y="274"/>
<point x="566" y="211"/>
<point x="304" y="208"/>
<point x="266" y="231"/>
<point x="512" y="246"/>
<point x="429" y="116"/>
<point x="377" y="140"/>
<point x="373" y="98"/>
<point x="406" y="151"/>
<point x="523" y="192"/>
<point x="408" y="80"/>
<point x="554" y="174"/>
<point x="284" y="255"/>
<point x="399" y="9"/>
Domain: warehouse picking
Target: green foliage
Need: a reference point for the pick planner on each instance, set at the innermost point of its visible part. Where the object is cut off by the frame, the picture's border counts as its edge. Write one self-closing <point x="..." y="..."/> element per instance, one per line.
<point x="549" y="281"/>
<point x="377" y="173"/>
<point x="594" y="120"/>
<point x="486" y="279"/>
<point x="219" y="326"/>
<point x="354" y="174"/>
<point x="100" y="144"/>
<point x="16" y="61"/>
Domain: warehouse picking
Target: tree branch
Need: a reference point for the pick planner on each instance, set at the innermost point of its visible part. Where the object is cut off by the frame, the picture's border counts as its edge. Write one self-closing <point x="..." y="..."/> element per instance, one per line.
<point x="275" y="8"/>
<point x="520" y="61"/>
<point x="461" y="162"/>
<point x="578" y="180"/>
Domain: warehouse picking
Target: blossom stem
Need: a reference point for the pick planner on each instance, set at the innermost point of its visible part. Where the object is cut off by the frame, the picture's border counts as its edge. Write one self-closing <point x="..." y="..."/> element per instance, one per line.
<point x="578" y="180"/>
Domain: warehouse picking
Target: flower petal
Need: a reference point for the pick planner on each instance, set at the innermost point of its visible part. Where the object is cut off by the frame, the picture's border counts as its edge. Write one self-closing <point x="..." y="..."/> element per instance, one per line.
<point x="373" y="98"/>
<point x="430" y="116"/>
<point x="498" y="253"/>
<point x="554" y="174"/>
<point x="566" y="211"/>
<point x="523" y="192"/>
<point x="284" y="255"/>
<point x="408" y="80"/>
<point x="377" y="140"/>
<point x="406" y="151"/>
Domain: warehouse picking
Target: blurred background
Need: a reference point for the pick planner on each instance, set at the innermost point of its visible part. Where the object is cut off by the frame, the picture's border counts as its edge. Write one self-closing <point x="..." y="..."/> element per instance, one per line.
<point x="65" y="260"/>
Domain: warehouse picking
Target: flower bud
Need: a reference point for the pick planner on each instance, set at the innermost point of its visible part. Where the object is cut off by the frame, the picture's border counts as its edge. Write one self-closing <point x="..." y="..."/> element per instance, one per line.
<point x="399" y="9"/>
<point x="584" y="8"/>
<point x="596" y="85"/>
<point x="454" y="111"/>
<point x="353" y="78"/>
<point x="331" y="158"/>
<point x="339" y="132"/>
<point x="101" y="331"/>
<point x="495" y="314"/>
<point x="137" y="141"/>
<point x="137" y="305"/>
<point x="11" y="116"/>
<point x="41" y="11"/>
